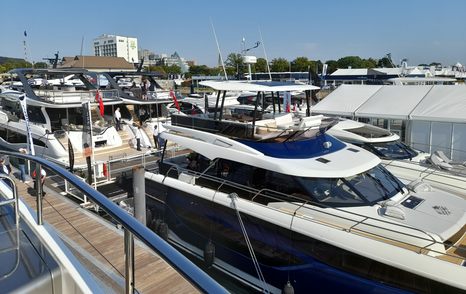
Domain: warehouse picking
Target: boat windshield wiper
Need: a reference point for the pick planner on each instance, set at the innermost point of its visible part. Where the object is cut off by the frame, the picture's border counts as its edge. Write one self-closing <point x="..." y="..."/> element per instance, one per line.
<point x="380" y="186"/>
<point x="398" y="186"/>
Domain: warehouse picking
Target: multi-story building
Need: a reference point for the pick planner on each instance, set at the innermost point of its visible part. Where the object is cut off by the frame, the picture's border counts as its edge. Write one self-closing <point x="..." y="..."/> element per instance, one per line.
<point x="118" y="46"/>
<point x="151" y="58"/>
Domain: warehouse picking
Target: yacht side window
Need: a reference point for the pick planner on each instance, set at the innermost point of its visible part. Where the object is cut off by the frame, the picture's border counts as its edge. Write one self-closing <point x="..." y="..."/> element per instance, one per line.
<point x="331" y="191"/>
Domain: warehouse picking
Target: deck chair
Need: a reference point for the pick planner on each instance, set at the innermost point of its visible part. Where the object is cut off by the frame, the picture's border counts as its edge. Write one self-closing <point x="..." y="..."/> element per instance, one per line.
<point x="446" y="159"/>
<point x="439" y="162"/>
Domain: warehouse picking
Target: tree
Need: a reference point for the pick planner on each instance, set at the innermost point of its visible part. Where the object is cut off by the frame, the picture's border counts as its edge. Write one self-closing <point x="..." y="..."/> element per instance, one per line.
<point x="384" y="62"/>
<point x="198" y="70"/>
<point x="332" y="66"/>
<point x="235" y="63"/>
<point x="41" y="65"/>
<point x="156" y="68"/>
<point x="350" y="61"/>
<point x="11" y="63"/>
<point x="300" y="64"/>
<point x="172" y="69"/>
<point x="369" y="63"/>
<point x="279" y="65"/>
<point x="261" y="65"/>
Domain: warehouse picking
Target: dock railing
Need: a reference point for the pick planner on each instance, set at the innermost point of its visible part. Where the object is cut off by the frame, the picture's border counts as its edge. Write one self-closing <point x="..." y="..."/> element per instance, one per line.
<point x="132" y="228"/>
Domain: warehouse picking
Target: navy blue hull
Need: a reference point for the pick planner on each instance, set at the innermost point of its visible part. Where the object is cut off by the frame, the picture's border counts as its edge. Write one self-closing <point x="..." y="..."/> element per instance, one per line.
<point x="283" y="255"/>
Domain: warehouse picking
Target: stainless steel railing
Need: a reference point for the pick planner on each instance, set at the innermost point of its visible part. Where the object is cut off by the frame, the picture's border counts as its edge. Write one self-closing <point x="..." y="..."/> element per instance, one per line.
<point x="385" y="227"/>
<point x="132" y="228"/>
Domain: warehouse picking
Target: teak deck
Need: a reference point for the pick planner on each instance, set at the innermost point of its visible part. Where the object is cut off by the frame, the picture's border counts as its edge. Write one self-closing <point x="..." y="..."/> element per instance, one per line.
<point x="84" y="232"/>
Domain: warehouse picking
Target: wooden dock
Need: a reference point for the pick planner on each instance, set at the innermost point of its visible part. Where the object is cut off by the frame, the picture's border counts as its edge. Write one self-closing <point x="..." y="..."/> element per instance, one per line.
<point x="99" y="246"/>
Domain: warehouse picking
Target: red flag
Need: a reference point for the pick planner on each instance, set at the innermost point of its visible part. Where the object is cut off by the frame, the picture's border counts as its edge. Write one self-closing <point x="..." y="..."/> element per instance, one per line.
<point x="177" y="105"/>
<point x="98" y="98"/>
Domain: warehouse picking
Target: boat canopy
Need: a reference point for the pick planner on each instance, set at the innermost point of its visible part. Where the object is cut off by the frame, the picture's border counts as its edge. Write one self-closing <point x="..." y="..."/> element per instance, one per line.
<point x="257" y="86"/>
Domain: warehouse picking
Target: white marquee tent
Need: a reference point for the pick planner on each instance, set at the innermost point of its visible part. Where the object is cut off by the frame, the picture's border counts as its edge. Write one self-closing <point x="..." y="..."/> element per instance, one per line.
<point x="435" y="115"/>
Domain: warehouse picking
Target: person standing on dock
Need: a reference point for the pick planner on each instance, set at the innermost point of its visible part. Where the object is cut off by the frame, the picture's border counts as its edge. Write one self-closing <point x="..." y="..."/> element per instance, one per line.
<point x="118" y="119"/>
<point x="138" y="138"/>
<point x="155" y="133"/>
<point x="22" y="165"/>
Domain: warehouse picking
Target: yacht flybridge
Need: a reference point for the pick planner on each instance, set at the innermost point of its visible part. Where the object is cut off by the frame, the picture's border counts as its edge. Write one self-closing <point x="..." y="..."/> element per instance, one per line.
<point x="274" y="201"/>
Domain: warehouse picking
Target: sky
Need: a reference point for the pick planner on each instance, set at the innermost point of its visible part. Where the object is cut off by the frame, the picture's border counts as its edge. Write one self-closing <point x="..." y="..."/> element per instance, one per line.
<point x="423" y="31"/>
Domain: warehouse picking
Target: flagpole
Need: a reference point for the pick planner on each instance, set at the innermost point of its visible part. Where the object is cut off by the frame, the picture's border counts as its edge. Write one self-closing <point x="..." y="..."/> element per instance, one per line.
<point x="25" y="46"/>
<point x="92" y="144"/>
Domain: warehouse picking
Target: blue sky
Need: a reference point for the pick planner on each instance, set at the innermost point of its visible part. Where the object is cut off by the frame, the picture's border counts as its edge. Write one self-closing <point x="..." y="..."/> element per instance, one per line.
<point x="423" y="31"/>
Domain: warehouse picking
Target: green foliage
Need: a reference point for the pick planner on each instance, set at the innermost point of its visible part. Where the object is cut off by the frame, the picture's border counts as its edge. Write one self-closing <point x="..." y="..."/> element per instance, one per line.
<point x="300" y="64"/>
<point x="234" y="64"/>
<point x="332" y="65"/>
<point x="41" y="65"/>
<point x="172" y="69"/>
<point x="156" y="68"/>
<point x="199" y="70"/>
<point x="261" y="65"/>
<point x="279" y="65"/>
<point x="384" y="62"/>
<point x="8" y="64"/>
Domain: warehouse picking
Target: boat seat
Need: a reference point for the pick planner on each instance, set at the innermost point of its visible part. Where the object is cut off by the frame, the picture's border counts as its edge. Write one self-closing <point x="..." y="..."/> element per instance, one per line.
<point x="184" y="177"/>
<point x="310" y="121"/>
<point x="437" y="161"/>
<point x="284" y="121"/>
<point x="446" y="159"/>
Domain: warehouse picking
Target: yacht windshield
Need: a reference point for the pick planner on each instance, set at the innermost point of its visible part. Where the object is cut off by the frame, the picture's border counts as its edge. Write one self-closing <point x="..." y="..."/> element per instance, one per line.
<point x="392" y="150"/>
<point x="374" y="185"/>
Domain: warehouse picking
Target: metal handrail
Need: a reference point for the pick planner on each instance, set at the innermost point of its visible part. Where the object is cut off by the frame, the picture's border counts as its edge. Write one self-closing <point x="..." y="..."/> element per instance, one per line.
<point x="281" y="196"/>
<point x="15" y="201"/>
<point x="184" y="266"/>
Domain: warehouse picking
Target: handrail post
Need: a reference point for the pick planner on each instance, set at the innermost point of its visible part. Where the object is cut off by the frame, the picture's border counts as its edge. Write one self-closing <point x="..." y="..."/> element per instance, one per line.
<point x="39" y="194"/>
<point x="129" y="262"/>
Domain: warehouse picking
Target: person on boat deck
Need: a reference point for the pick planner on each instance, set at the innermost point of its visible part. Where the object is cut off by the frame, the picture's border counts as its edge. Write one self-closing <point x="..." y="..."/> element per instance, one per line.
<point x="158" y="129"/>
<point x="193" y="161"/>
<point x="118" y="119"/>
<point x="155" y="133"/>
<point x="44" y="82"/>
<point x="6" y="163"/>
<point x="43" y="175"/>
<point x="225" y="170"/>
<point x="145" y="88"/>
<point x="22" y="165"/>
<point x="137" y="135"/>
<point x="3" y="166"/>
<point x="142" y="114"/>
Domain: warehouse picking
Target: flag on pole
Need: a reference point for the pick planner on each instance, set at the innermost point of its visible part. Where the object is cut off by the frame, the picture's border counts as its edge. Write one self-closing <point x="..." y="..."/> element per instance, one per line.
<point x="98" y="98"/>
<point x="177" y="105"/>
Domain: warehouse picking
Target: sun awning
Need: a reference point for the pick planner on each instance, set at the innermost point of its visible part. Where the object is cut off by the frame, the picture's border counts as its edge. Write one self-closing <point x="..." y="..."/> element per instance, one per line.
<point x="345" y="100"/>
<point x="444" y="103"/>
<point x="256" y="86"/>
<point x="393" y="102"/>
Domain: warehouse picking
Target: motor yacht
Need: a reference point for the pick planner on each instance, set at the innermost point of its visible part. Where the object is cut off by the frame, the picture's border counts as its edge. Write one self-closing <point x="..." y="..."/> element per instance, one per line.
<point x="408" y="164"/>
<point x="55" y="116"/>
<point x="276" y="202"/>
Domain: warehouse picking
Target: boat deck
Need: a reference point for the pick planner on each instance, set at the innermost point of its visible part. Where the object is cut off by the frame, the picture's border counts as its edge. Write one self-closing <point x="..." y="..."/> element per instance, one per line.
<point x="99" y="246"/>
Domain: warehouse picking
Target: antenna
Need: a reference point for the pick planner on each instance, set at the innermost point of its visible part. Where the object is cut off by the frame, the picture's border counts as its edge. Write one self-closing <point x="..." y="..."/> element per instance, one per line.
<point x="265" y="54"/>
<point x="218" y="48"/>
<point x="82" y="42"/>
